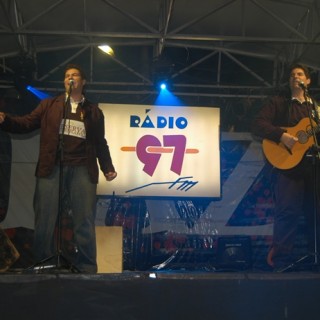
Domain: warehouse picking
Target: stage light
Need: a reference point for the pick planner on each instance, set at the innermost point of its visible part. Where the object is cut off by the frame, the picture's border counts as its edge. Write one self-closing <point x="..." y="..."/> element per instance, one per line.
<point x="167" y="98"/>
<point x="163" y="86"/>
<point x="40" y="94"/>
<point x="106" y="49"/>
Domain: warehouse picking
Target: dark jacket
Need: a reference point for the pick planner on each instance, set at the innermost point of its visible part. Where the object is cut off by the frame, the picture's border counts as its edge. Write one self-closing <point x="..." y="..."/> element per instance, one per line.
<point x="279" y="112"/>
<point x="47" y="117"/>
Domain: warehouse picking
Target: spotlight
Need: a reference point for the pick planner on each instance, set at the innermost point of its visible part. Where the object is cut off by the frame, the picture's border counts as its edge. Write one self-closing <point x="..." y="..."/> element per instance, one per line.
<point x="106" y="49"/>
<point x="163" y="86"/>
<point x="166" y="96"/>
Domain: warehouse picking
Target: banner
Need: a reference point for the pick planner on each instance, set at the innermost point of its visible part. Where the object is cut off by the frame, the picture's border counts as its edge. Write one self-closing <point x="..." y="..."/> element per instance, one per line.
<point x="163" y="151"/>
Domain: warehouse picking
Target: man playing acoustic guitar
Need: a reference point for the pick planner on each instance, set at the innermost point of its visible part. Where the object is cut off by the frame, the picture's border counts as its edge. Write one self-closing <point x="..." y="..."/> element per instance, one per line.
<point x="284" y="123"/>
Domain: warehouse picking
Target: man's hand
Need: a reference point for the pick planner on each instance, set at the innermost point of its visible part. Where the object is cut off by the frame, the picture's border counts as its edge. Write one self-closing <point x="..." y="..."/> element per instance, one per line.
<point x="2" y="116"/>
<point x="288" y="140"/>
<point x="110" y="176"/>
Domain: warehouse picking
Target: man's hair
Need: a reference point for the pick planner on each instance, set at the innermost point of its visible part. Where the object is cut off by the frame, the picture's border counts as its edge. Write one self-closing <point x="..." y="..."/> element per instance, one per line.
<point x="300" y="66"/>
<point x="75" y="66"/>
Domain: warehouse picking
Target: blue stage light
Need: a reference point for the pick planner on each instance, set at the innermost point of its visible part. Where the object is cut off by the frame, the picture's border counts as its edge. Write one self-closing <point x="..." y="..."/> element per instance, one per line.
<point x="163" y="86"/>
<point x="40" y="94"/>
<point x="167" y="98"/>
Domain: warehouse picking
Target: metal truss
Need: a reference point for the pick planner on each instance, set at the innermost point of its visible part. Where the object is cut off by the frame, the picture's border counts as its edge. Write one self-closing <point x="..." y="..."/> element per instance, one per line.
<point x="172" y="39"/>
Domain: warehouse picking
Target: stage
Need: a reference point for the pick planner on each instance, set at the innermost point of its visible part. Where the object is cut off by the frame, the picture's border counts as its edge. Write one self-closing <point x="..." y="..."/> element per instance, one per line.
<point x="160" y="295"/>
<point x="193" y="243"/>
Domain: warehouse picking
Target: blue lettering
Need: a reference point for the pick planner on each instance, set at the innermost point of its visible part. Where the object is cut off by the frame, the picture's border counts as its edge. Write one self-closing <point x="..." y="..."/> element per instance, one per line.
<point x="181" y="122"/>
<point x="162" y="122"/>
<point x="147" y="123"/>
<point x="134" y="121"/>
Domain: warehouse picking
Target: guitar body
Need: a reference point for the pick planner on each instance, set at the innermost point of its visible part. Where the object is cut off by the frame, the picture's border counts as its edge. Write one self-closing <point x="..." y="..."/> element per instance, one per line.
<point x="282" y="158"/>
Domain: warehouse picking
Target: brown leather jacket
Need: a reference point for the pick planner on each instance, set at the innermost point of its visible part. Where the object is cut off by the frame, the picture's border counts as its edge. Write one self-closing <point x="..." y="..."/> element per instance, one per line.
<point x="47" y="117"/>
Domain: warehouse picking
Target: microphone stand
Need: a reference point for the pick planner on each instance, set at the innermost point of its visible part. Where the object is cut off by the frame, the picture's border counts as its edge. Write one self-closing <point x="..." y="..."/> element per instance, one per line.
<point x="58" y="256"/>
<point x="315" y="154"/>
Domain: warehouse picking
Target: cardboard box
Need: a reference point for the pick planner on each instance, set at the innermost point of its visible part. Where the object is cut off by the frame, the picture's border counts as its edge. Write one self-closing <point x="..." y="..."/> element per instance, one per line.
<point x="109" y="249"/>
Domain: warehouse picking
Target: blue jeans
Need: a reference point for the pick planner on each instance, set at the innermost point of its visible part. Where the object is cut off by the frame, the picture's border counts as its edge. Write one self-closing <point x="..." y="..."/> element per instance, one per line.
<point x="81" y="193"/>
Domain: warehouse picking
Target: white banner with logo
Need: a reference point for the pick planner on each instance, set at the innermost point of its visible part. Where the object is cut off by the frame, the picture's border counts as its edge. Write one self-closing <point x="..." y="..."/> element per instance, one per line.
<point x="163" y="151"/>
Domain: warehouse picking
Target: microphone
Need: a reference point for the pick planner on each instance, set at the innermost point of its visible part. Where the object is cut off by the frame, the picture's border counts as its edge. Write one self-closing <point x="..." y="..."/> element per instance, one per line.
<point x="71" y="82"/>
<point x="302" y="85"/>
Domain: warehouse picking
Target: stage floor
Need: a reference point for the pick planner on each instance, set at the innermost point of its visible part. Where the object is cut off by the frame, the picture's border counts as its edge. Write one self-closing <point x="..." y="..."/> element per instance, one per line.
<point x="160" y="295"/>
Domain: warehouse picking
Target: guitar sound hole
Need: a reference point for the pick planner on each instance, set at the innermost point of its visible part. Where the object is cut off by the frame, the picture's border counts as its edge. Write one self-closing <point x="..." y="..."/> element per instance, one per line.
<point x="302" y="137"/>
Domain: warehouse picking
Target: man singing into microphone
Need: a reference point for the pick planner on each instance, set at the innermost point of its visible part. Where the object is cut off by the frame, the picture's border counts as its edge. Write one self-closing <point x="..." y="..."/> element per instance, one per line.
<point x="72" y="137"/>
<point x="293" y="188"/>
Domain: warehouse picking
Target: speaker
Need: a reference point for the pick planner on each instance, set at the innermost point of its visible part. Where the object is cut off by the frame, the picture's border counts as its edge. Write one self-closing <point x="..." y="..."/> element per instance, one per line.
<point x="234" y="252"/>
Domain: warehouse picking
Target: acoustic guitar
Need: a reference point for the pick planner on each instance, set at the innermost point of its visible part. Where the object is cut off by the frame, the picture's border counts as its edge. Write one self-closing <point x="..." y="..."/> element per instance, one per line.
<point x="282" y="157"/>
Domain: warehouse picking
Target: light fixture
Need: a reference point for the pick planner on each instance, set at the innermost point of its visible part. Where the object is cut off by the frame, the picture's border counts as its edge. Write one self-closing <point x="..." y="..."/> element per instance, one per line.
<point x="106" y="49"/>
<point x="163" y="86"/>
